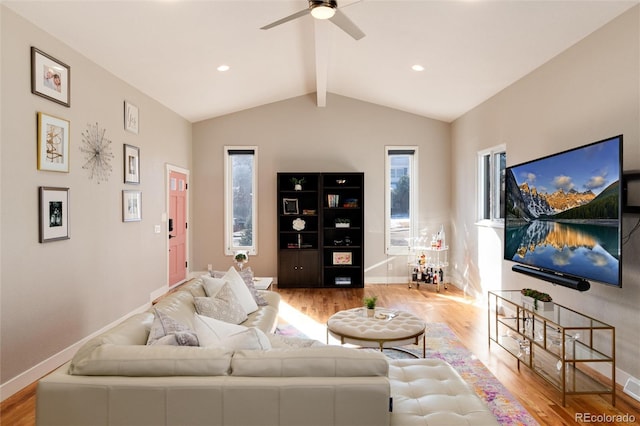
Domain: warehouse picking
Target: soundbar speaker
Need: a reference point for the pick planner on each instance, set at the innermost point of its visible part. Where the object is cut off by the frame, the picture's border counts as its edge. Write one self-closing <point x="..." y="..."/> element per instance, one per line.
<point x="575" y="283"/>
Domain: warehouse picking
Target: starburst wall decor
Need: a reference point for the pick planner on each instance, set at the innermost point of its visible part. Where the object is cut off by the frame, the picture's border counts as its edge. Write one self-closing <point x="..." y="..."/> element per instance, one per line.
<point x="97" y="153"/>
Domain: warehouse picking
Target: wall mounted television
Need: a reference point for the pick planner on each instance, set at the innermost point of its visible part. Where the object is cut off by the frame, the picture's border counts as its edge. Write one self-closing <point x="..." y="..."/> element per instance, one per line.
<point x="563" y="215"/>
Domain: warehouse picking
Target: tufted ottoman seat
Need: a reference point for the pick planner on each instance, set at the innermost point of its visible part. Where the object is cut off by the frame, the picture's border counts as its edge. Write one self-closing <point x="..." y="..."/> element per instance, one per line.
<point x="430" y="392"/>
<point x="355" y="327"/>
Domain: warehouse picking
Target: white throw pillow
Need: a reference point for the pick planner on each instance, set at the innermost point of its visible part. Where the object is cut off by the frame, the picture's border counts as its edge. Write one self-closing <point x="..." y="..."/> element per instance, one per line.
<point x="212" y="285"/>
<point x="240" y="290"/>
<point x="251" y="338"/>
<point x="211" y="331"/>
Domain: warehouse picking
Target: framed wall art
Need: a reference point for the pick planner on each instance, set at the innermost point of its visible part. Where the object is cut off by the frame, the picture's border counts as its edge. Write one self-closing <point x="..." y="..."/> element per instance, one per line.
<point x="131" y="206"/>
<point x="342" y="258"/>
<point x="290" y="205"/>
<point x="53" y="213"/>
<point x="130" y="117"/>
<point x="50" y="78"/>
<point x="131" y="164"/>
<point x="53" y="143"/>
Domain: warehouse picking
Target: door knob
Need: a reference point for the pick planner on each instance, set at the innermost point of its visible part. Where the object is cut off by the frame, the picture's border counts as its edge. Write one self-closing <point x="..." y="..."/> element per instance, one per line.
<point x="171" y="236"/>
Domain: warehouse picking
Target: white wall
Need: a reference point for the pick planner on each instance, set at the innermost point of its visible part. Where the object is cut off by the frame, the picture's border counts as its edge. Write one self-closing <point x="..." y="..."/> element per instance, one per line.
<point x="55" y="294"/>
<point x="296" y="135"/>
<point x="587" y="93"/>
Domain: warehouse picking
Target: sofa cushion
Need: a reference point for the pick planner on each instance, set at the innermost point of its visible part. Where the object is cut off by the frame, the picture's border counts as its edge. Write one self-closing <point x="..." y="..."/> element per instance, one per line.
<point x="324" y="361"/>
<point x="224" y="306"/>
<point x="265" y="318"/>
<point x="154" y="360"/>
<point x="178" y="305"/>
<point x="164" y="326"/>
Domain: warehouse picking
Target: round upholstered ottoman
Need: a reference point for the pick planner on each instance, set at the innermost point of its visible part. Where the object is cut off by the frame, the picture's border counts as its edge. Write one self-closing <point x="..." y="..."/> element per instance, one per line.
<point x="391" y="329"/>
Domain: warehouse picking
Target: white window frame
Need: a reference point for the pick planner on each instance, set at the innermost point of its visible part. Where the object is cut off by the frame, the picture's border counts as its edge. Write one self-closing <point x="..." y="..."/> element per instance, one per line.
<point x="495" y="214"/>
<point x="229" y="247"/>
<point x="413" y="197"/>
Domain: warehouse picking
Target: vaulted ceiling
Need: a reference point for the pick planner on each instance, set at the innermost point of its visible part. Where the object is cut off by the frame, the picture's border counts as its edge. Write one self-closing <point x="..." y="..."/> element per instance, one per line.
<point x="170" y="49"/>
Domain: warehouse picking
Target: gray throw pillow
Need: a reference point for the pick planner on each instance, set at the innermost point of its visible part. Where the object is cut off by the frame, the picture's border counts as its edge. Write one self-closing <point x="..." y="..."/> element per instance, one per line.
<point x="225" y="306"/>
<point x="163" y="325"/>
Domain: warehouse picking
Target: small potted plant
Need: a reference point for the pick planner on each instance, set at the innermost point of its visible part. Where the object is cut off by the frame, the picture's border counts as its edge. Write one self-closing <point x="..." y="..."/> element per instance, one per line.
<point x="537" y="299"/>
<point x="297" y="183"/>
<point x="241" y="258"/>
<point x="370" y="304"/>
<point x="342" y="222"/>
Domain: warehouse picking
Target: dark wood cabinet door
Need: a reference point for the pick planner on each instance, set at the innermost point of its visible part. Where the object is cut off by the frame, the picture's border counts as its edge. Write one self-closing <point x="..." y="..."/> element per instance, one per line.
<point x="287" y="274"/>
<point x="298" y="268"/>
<point x="308" y="270"/>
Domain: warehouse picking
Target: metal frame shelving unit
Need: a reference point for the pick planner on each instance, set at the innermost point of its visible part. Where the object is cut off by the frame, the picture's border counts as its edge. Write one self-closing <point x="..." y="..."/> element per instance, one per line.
<point x="564" y="347"/>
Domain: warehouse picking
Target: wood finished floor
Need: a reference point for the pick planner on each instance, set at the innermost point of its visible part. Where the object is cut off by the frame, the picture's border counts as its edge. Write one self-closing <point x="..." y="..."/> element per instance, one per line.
<point x="466" y="319"/>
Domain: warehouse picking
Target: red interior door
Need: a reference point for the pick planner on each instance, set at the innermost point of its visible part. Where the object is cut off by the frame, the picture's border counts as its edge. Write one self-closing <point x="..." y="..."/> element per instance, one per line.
<point x="177" y="227"/>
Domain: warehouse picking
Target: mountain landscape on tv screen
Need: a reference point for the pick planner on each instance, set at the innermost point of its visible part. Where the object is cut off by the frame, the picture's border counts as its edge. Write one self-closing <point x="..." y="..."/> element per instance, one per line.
<point x="562" y="212"/>
<point x="529" y="204"/>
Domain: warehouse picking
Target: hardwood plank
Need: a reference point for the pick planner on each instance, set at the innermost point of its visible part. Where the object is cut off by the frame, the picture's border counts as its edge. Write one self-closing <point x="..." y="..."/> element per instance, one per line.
<point x="466" y="318"/>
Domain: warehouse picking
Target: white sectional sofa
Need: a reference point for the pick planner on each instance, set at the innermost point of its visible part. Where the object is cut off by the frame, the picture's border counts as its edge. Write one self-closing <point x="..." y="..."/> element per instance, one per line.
<point x="116" y="378"/>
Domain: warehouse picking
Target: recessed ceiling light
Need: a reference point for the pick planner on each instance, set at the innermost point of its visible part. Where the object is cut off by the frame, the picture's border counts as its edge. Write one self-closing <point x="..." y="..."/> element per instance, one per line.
<point x="223" y="68"/>
<point x="417" y="67"/>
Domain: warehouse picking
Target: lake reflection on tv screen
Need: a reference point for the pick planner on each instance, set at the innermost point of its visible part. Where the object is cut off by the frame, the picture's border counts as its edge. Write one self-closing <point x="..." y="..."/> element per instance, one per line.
<point x="580" y="249"/>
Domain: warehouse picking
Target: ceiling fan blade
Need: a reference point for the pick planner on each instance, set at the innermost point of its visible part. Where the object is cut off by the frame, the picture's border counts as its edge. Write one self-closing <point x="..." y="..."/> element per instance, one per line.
<point x="342" y="21"/>
<point x="286" y="19"/>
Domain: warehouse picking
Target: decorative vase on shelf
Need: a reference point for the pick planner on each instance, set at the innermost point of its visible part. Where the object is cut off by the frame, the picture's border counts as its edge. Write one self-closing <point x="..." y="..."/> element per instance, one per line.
<point x="297" y="183"/>
<point x="241" y="258"/>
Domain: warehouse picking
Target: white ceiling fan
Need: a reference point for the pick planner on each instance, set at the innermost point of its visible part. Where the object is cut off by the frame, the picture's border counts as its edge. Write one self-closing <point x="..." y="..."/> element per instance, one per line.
<point x="324" y="9"/>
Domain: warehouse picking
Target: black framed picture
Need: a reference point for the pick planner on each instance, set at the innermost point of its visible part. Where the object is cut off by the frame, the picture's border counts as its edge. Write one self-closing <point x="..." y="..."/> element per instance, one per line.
<point x="290" y="205"/>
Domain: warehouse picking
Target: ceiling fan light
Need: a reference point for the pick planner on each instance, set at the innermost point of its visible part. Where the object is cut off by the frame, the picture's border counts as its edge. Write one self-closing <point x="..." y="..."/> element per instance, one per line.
<point x="322" y="12"/>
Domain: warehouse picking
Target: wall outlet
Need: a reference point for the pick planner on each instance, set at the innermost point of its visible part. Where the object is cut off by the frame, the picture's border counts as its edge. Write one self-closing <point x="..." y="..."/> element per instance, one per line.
<point x="157" y="229"/>
<point x="390" y="266"/>
<point x="209" y="267"/>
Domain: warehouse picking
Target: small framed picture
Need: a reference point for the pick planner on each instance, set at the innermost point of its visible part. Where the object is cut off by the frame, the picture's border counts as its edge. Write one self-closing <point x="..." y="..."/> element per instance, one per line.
<point x="53" y="213"/>
<point x="53" y="143"/>
<point x="131" y="164"/>
<point x="290" y="205"/>
<point x="131" y="206"/>
<point x="342" y="258"/>
<point x="130" y="117"/>
<point x="50" y="78"/>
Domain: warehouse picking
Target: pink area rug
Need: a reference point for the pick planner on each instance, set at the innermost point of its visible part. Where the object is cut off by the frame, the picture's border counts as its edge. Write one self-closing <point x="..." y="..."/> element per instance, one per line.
<point x="442" y="343"/>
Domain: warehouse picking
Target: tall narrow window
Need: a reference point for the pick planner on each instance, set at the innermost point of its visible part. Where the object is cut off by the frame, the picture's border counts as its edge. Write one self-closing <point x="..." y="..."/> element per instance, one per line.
<point x="241" y="210"/>
<point x="491" y="183"/>
<point x="401" y="198"/>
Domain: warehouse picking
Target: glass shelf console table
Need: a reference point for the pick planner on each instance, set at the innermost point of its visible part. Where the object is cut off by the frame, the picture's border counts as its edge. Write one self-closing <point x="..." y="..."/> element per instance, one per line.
<point x="573" y="352"/>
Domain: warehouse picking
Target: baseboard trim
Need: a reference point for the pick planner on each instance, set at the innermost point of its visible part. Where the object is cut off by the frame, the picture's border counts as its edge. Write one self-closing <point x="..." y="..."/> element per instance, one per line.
<point x="35" y="373"/>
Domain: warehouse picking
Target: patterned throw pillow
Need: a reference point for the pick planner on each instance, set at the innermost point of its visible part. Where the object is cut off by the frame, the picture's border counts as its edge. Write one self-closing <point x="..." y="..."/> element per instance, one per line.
<point x="239" y="288"/>
<point x="163" y="326"/>
<point x="247" y="277"/>
<point x="225" y="306"/>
